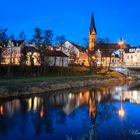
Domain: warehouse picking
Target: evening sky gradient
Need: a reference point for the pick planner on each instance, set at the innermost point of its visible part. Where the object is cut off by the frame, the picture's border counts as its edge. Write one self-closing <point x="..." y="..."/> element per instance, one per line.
<point x="113" y="18"/>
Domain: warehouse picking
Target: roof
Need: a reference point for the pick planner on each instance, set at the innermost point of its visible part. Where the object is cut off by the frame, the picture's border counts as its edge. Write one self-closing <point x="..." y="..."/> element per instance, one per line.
<point x="133" y="49"/>
<point x="92" y="24"/>
<point x="111" y="46"/>
<point x="55" y="53"/>
<point x="17" y="42"/>
<point x="79" y="47"/>
<point x="108" y="48"/>
<point x="30" y="49"/>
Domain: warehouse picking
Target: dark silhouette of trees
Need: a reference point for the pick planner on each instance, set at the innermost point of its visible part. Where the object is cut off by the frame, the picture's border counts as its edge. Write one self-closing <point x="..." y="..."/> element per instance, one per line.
<point x="3" y="35"/>
<point x="0" y="53"/>
<point x="37" y="37"/>
<point x="106" y="49"/>
<point x="85" y="42"/>
<point x="48" y="38"/>
<point x="60" y="39"/>
<point x="22" y="35"/>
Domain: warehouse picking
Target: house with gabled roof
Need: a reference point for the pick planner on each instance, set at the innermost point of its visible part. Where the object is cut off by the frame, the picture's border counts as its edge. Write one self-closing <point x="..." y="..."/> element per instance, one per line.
<point x="55" y="58"/>
<point x="80" y="53"/>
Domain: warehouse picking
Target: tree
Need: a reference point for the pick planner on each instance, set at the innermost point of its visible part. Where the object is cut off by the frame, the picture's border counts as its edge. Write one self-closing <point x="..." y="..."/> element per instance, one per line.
<point x="60" y="39"/>
<point x="37" y="37"/>
<point x="22" y="35"/>
<point x="48" y="38"/>
<point x="0" y="53"/>
<point x="3" y="35"/>
<point x="85" y="42"/>
<point x="103" y="40"/>
<point x="12" y="37"/>
<point x="106" y="49"/>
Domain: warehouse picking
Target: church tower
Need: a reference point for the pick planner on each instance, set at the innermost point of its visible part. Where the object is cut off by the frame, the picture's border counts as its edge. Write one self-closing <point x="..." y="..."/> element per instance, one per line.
<point x="92" y="34"/>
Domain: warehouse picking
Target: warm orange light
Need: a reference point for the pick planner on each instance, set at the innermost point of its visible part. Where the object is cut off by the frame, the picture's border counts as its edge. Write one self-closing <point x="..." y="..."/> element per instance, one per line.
<point x="121" y="112"/>
<point x="1" y="110"/>
<point x="42" y="111"/>
<point x="121" y="42"/>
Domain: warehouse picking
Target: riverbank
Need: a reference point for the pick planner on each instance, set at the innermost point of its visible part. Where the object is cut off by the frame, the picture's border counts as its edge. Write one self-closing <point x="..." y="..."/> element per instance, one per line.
<point x="41" y="85"/>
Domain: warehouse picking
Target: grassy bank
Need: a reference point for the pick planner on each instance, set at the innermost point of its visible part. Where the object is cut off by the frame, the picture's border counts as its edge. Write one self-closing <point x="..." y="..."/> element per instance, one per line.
<point x="52" y="79"/>
<point x="25" y="86"/>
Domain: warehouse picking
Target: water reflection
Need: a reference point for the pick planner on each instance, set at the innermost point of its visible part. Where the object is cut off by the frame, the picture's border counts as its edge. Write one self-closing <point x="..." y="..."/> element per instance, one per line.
<point x="87" y="110"/>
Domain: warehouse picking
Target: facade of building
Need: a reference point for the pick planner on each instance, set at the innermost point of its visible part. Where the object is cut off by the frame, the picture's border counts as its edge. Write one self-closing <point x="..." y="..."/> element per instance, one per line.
<point x="12" y="54"/>
<point x="131" y="56"/>
<point x="92" y="34"/>
<point x="74" y="51"/>
<point x="56" y="58"/>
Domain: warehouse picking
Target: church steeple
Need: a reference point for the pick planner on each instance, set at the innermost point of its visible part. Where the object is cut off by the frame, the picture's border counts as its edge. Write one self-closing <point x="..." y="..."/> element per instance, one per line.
<point x="92" y="34"/>
<point x="92" y="24"/>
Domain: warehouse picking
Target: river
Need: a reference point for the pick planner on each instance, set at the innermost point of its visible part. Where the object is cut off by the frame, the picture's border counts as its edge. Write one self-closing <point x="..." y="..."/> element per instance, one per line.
<point x="99" y="113"/>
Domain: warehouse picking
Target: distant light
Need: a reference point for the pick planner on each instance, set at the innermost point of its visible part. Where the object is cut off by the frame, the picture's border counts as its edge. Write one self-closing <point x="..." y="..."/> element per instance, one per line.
<point x="80" y="94"/>
<point x="121" y="42"/>
<point x="51" y="49"/>
<point x="1" y="110"/>
<point x="121" y="112"/>
<point x="70" y="96"/>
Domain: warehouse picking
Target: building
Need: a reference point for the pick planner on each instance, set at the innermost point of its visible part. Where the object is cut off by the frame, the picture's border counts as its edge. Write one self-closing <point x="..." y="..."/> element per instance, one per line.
<point x="15" y="51"/>
<point x="109" y="54"/>
<point x="56" y="58"/>
<point x="32" y="55"/>
<point x="75" y="53"/>
<point x="11" y="53"/>
<point x="92" y="34"/>
<point x="131" y="56"/>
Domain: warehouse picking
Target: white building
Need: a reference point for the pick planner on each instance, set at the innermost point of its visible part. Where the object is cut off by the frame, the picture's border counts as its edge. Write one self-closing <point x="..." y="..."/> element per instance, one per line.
<point x="70" y="48"/>
<point x="131" y="56"/>
<point x="56" y="58"/>
<point x="12" y="54"/>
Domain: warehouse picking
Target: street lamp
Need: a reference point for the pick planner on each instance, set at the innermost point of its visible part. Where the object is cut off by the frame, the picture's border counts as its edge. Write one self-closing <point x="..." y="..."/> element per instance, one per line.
<point x="121" y="43"/>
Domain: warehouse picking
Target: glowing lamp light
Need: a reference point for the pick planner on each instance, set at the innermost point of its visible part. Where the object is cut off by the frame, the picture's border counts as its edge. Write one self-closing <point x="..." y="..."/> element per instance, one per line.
<point x="1" y="110"/>
<point x="80" y="94"/>
<point x="121" y="112"/>
<point x="70" y="96"/>
<point x="41" y="113"/>
<point x="121" y="42"/>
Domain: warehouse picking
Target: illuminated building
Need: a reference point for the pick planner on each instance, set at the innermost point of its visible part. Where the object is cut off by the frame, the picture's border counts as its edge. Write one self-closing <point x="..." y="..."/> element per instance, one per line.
<point x="92" y="34"/>
<point x="132" y="56"/>
<point x="70" y="48"/>
<point x="12" y="54"/>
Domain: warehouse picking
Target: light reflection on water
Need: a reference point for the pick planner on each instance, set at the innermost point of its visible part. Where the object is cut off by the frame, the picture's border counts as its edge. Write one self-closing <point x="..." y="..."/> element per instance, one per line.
<point x="95" y="113"/>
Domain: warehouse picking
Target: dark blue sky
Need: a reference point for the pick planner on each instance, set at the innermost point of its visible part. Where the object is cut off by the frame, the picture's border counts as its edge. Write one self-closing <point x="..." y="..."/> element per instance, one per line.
<point x="114" y="18"/>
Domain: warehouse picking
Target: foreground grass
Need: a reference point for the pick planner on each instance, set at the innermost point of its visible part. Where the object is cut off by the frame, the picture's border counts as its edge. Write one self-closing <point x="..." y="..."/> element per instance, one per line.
<point x="49" y="80"/>
<point x="23" y="81"/>
<point x="73" y="74"/>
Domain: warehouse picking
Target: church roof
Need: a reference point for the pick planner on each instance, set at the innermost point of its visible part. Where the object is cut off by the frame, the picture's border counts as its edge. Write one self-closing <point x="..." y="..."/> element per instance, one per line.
<point x="92" y="24"/>
<point x="108" y="48"/>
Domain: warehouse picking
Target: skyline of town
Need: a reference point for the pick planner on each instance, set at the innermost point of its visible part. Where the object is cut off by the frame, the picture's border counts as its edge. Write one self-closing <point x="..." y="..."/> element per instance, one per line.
<point x="111" y="18"/>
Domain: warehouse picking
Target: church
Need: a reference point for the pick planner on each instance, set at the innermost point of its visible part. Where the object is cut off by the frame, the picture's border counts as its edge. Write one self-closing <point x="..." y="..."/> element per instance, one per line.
<point x="104" y="53"/>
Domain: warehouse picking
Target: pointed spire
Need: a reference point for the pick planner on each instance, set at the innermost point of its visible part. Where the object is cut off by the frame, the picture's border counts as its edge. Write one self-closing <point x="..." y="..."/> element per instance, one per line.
<point x="92" y="24"/>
